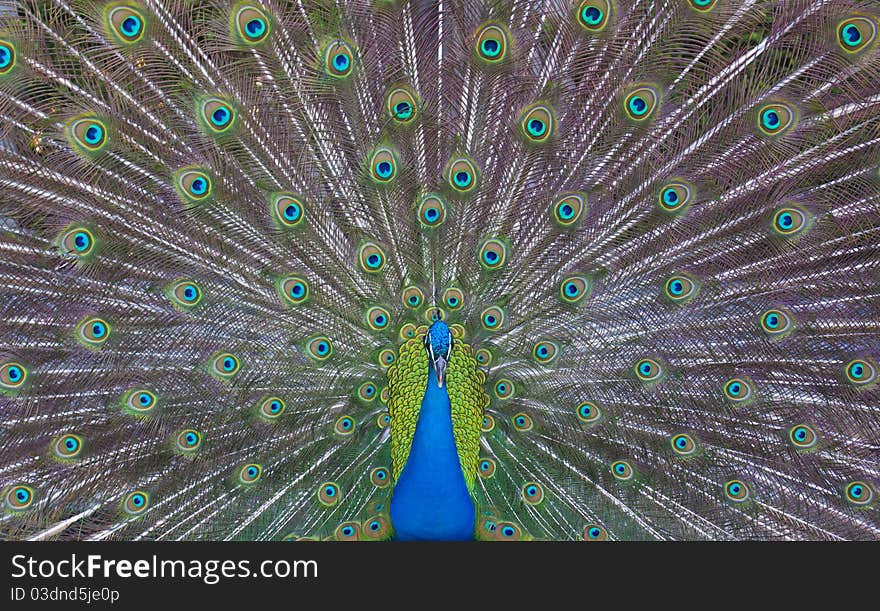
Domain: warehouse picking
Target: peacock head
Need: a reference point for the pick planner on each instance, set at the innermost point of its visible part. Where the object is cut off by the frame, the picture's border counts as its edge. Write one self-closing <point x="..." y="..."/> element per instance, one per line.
<point x="438" y="343"/>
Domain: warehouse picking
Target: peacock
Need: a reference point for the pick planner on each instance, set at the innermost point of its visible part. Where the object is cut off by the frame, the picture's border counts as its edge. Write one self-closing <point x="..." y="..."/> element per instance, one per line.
<point x="439" y="270"/>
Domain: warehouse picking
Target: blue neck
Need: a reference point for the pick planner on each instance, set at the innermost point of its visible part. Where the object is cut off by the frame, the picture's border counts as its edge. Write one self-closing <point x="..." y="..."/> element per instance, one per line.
<point x="431" y="500"/>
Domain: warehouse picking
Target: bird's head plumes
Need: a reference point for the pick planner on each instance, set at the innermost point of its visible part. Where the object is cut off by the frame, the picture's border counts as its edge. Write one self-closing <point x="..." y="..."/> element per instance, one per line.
<point x="438" y="343"/>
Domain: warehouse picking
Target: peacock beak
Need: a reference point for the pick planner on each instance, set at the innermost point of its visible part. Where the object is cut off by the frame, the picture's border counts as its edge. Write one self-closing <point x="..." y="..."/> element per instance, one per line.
<point x="440" y="368"/>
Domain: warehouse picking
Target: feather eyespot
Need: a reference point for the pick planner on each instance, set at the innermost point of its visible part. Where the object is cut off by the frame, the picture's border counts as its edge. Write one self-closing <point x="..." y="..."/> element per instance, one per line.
<point x="383" y="166"/>
<point x="508" y="531"/>
<point x="250" y="24"/>
<point x="738" y="390"/>
<point x="194" y="185"/>
<point x="681" y="288"/>
<point x="491" y="43"/>
<point x="271" y="408"/>
<point x="224" y="365"/>
<point x="593" y="15"/>
<point x="87" y="134"/>
<point x="483" y="356"/>
<point x="537" y="123"/>
<point x="861" y="372"/>
<point x="737" y="491"/>
<point x="568" y="209"/>
<point x="493" y="254"/>
<point x="622" y="470"/>
<point x="139" y="402"/>
<point x="401" y="104"/>
<point x="545" y="352"/>
<point x="376" y="528"/>
<point x="486" y="468"/>
<point x="12" y="376"/>
<point x="683" y="444"/>
<point x="431" y="210"/>
<point x="18" y="497"/>
<point x="348" y="531"/>
<point x="488" y="423"/>
<point x="453" y="299"/>
<point x="328" y="494"/>
<point x="345" y="425"/>
<point x="378" y="318"/>
<point x="184" y="295"/>
<point x="76" y="242"/>
<point x="776" y="119"/>
<point x="216" y="115"/>
<point x="859" y="493"/>
<point x="387" y="356"/>
<point x="789" y="221"/>
<point x="339" y="59"/>
<point x="588" y="412"/>
<point x="522" y="422"/>
<point x="649" y="370"/>
<point x="856" y="33"/>
<point x="367" y="392"/>
<point x="594" y="532"/>
<point x="412" y="297"/>
<point x="803" y="436"/>
<point x="383" y="420"/>
<point x="777" y="323"/>
<point x="135" y="503"/>
<point x="532" y="493"/>
<point x="7" y="57"/>
<point x="574" y="288"/>
<point x="249" y="474"/>
<point x="462" y="175"/>
<point x="641" y="103"/>
<point x="93" y="332"/>
<point x="380" y="477"/>
<point x="287" y="209"/>
<point x="188" y="441"/>
<point x="320" y="348"/>
<point x="408" y="331"/>
<point x="492" y="318"/>
<point x="675" y="197"/>
<point x="371" y="258"/>
<point x="293" y="290"/>
<point x="125" y="23"/>
<point x="67" y="447"/>
<point x="703" y="6"/>
<point x="504" y="389"/>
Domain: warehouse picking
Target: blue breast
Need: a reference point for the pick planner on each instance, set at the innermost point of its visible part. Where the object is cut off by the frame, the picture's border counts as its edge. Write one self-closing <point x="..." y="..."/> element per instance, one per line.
<point x="431" y="500"/>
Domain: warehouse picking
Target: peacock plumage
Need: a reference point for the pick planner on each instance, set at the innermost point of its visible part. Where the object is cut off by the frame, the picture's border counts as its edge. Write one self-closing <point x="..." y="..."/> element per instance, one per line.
<point x="434" y="269"/>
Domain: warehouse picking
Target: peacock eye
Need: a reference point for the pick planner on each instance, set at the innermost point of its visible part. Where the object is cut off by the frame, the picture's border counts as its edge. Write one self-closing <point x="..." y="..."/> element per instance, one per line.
<point x="371" y="257"/>
<point x="622" y="470"/>
<point x="861" y="372"/>
<point x="136" y="503"/>
<point x="383" y="165"/>
<point x="12" y="375"/>
<point x="270" y="408"/>
<point x="320" y="348"/>
<point x="856" y="33"/>
<point x="486" y="468"/>
<point x="250" y="25"/>
<point x="345" y="425"/>
<point x="594" y="532"/>
<point x="777" y="323"/>
<point x="194" y="185"/>
<point x="680" y="288"/>
<point x="738" y="390"/>
<point x="588" y="412"/>
<point x="492" y="318"/>
<point x="776" y="119"/>
<point x="649" y="370"/>
<point x="7" y="57"/>
<point x="225" y="365"/>
<point x="401" y="104"/>
<point x="683" y="444"/>
<point x="188" y="441"/>
<point x="431" y="210"/>
<point x="491" y="43"/>
<point x="67" y="447"/>
<point x="461" y="174"/>
<point x="593" y="15"/>
<point x="642" y="102"/>
<point x="568" y="209"/>
<point x="493" y="254"/>
<point x="250" y="473"/>
<point x="789" y="221"/>
<point x="737" y="491"/>
<point x="532" y="493"/>
<point x="537" y="123"/>
<point x="328" y="494"/>
<point x="859" y="493"/>
<point x="339" y="59"/>
<point x="380" y="477"/>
